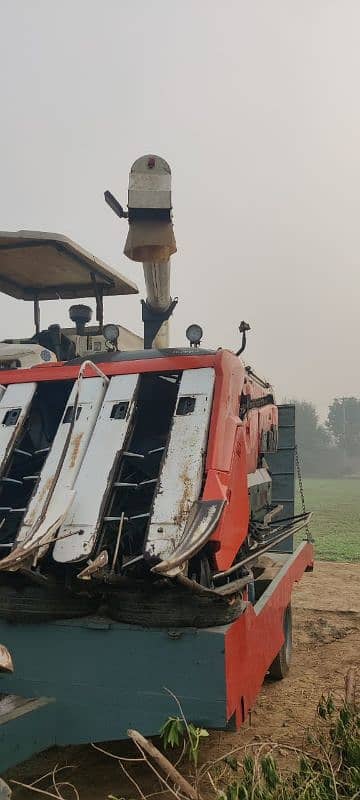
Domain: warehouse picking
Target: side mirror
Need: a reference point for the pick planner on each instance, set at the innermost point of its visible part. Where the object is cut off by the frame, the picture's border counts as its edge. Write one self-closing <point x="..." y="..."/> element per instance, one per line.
<point x="243" y="328"/>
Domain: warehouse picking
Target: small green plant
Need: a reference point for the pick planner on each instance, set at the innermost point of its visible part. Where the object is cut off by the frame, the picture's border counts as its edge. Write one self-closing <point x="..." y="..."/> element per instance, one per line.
<point x="326" y="707"/>
<point x="177" y="733"/>
<point x="115" y="797"/>
<point x="329" y="771"/>
<point x="172" y="732"/>
<point x="327" y="764"/>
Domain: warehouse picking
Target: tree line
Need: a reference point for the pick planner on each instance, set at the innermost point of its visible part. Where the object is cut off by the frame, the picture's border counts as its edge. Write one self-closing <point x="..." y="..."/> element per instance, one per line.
<point x="331" y="449"/>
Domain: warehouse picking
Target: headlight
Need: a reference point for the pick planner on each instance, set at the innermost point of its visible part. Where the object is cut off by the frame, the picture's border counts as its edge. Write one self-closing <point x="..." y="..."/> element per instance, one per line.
<point x="111" y="333"/>
<point x="194" y="334"/>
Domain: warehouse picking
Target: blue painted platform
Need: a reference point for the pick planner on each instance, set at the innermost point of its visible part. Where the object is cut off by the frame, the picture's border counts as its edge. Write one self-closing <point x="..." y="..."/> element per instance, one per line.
<point x="103" y="677"/>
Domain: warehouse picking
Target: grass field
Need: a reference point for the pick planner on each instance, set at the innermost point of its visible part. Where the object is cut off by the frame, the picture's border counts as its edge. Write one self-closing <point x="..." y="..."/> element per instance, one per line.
<point x="335" y="524"/>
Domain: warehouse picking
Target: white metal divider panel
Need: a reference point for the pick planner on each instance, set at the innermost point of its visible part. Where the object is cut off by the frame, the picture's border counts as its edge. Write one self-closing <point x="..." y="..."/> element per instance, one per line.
<point x="14" y="407"/>
<point x="93" y="482"/>
<point x="182" y="471"/>
<point x="91" y="395"/>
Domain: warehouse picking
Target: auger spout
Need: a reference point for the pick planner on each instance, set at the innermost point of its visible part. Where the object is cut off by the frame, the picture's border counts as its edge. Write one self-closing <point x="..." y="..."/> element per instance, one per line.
<point x="151" y="240"/>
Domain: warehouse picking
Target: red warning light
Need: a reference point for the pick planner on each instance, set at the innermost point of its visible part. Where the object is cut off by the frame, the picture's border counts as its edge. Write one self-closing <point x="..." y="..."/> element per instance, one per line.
<point x="151" y="162"/>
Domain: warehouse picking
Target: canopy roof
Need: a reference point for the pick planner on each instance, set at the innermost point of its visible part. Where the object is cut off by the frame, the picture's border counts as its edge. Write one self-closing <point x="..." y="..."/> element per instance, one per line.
<point x="47" y="266"/>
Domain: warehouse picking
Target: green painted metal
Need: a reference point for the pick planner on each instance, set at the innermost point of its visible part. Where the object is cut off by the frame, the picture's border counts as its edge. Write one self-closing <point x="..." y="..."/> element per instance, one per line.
<point x="106" y="677"/>
<point x="27" y="734"/>
<point x="282" y="468"/>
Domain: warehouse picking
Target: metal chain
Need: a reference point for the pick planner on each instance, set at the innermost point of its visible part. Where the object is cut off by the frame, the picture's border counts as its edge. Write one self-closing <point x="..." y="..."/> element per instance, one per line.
<point x="301" y="490"/>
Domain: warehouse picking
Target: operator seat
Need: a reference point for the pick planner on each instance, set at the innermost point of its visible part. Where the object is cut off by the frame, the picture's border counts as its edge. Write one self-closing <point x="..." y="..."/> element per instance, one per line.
<point x="51" y="339"/>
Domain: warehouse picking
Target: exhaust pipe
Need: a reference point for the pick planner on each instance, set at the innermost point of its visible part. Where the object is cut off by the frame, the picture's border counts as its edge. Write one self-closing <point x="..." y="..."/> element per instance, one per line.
<point x="151" y="241"/>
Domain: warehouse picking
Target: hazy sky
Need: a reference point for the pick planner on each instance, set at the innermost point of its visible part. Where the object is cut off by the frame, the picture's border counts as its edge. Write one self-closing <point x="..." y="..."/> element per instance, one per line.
<point x="256" y="107"/>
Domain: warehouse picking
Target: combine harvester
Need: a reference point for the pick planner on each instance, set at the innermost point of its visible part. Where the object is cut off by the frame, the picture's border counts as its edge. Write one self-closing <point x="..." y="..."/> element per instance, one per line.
<point x="146" y="504"/>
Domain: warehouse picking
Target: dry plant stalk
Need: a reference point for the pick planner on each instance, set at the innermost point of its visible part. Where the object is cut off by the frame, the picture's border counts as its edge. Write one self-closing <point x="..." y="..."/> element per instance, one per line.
<point x="350" y="689"/>
<point x="33" y="787"/>
<point x="164" y="764"/>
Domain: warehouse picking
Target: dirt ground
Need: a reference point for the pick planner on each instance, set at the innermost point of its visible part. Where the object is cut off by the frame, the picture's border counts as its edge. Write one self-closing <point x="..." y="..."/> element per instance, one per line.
<point x="326" y="606"/>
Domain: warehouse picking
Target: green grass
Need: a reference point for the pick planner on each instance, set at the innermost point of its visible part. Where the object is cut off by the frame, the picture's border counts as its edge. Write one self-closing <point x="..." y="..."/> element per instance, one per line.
<point x="335" y="523"/>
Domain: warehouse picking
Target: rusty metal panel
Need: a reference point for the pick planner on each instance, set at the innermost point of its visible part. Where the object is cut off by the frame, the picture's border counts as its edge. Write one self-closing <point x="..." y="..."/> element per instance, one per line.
<point x="14" y="407"/>
<point x="90" y="398"/>
<point x="182" y="471"/>
<point x="94" y="478"/>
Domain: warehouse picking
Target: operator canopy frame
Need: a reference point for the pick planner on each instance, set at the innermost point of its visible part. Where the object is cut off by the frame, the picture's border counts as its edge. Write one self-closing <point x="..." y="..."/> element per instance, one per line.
<point x="47" y="266"/>
<point x="35" y="265"/>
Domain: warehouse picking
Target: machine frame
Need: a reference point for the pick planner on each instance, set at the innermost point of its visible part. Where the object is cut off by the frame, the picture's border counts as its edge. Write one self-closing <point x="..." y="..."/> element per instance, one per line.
<point x="84" y="680"/>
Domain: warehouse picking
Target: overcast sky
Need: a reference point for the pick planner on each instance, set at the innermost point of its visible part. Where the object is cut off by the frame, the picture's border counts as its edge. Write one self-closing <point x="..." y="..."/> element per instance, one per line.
<point x="256" y="106"/>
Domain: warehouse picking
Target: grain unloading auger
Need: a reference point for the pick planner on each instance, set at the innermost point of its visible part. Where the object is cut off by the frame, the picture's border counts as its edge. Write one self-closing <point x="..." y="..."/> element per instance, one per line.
<point x="149" y="474"/>
<point x="146" y="504"/>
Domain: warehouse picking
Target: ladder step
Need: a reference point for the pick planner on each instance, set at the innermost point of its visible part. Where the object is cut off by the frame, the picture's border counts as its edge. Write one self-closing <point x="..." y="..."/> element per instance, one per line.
<point x="8" y="544"/>
<point x="30" y="477"/>
<point x="8" y="509"/>
<point x="40" y="452"/>
<point x="115" y="519"/>
<point x="148" y="482"/>
<point x="19" y="452"/>
<point x="156" y="450"/>
<point x="139" y="516"/>
<point x="132" y="561"/>
<point x="11" y="480"/>
<point x="128" y="454"/>
<point x="124" y="484"/>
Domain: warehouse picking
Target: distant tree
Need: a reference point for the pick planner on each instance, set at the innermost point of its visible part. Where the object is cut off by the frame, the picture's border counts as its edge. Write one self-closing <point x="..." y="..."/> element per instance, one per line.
<point x="313" y="439"/>
<point x="343" y="422"/>
<point x="310" y="434"/>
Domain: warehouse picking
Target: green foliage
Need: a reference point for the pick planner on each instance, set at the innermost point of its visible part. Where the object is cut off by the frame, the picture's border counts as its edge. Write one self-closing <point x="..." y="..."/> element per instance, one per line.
<point x="311" y="435"/>
<point x="330" y="771"/>
<point x="343" y="422"/>
<point x="318" y="454"/>
<point x="176" y="733"/>
<point x="114" y="797"/>
<point x="232" y="762"/>
<point x="333" y="449"/>
<point x="172" y="732"/>
<point x="327" y="768"/>
<point x="195" y="735"/>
